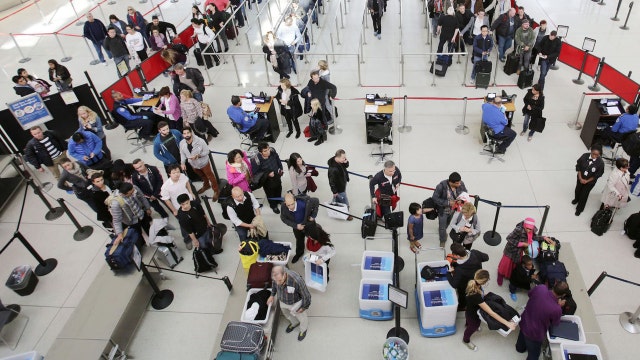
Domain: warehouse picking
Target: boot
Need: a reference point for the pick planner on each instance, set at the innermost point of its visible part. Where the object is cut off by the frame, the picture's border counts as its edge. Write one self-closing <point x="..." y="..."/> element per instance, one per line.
<point x="311" y="139"/>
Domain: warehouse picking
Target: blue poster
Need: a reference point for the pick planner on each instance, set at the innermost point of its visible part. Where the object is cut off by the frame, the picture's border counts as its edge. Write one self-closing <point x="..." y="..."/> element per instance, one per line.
<point x="30" y="111"/>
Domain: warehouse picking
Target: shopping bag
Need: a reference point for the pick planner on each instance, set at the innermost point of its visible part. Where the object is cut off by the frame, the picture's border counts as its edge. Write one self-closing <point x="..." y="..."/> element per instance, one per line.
<point x="248" y="253"/>
<point x="341" y="208"/>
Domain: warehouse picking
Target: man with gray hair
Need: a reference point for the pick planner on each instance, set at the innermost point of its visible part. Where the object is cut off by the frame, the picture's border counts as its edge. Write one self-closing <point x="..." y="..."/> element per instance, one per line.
<point x="294" y="298"/>
<point x="95" y="31"/>
<point x="189" y="79"/>
<point x="387" y="182"/>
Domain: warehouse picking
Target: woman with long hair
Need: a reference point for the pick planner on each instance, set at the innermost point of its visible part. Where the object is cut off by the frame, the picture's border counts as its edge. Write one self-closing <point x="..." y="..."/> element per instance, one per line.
<point x="475" y="301"/>
<point x="238" y="169"/>
<point x="60" y="75"/>
<point x="298" y="174"/>
<point x="533" y="106"/>
<point x="169" y="107"/>
<point x="319" y="244"/>
<point x="173" y="57"/>
<point x="290" y="107"/>
<point x="90" y="121"/>
<point x="317" y="123"/>
<point x="192" y="115"/>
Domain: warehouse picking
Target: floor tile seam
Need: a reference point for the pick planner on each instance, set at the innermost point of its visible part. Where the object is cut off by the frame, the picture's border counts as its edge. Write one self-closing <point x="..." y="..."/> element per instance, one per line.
<point x="37" y="343"/>
<point x="183" y="312"/>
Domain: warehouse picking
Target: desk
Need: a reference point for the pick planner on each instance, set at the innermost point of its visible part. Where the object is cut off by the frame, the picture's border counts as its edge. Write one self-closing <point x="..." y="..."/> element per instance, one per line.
<point x="268" y="109"/>
<point x="377" y="115"/>
<point x="596" y="120"/>
<point x="146" y="103"/>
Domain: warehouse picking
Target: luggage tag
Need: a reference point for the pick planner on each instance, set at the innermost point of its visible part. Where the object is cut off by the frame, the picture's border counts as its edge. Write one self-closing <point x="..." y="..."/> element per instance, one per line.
<point x="291" y="289"/>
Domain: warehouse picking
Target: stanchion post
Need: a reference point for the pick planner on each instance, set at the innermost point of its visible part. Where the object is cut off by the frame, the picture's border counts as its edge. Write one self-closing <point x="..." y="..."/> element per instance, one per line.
<point x="266" y="68"/>
<point x="492" y="237"/>
<point x="359" y="62"/>
<point x="65" y="57"/>
<point x="333" y="51"/>
<point x="404" y="128"/>
<point x="463" y="129"/>
<point x="597" y="283"/>
<point x="161" y="298"/>
<point x="235" y="68"/>
<point x="615" y="17"/>
<point x="574" y="125"/>
<point x="476" y="202"/>
<point x="44" y="266"/>
<point x="205" y="199"/>
<point x="544" y="219"/>
<point x="397" y="330"/>
<point x="337" y="34"/>
<point x="213" y="167"/>
<point x="227" y="282"/>
<point x="104" y="18"/>
<point x="631" y="321"/>
<point x="579" y="80"/>
<point x="82" y="232"/>
<point x="44" y="19"/>
<point x="24" y="59"/>
<point x="401" y="68"/>
<point x="95" y="61"/>
<point x="249" y="47"/>
<point x="341" y="15"/>
<point x="595" y="87"/>
<point x="625" y="27"/>
<point x="80" y="22"/>
<point x="53" y="213"/>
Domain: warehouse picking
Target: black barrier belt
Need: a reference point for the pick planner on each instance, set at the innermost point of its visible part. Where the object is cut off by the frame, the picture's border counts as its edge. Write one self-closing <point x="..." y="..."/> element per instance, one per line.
<point x="495" y="203"/>
<point x="188" y="273"/>
<point x="601" y="278"/>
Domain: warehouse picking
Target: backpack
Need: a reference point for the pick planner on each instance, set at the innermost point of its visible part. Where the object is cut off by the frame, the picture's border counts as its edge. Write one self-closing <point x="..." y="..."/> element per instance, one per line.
<point x="430" y="203"/>
<point x="181" y="48"/>
<point x="632" y="226"/>
<point x="554" y="272"/>
<point x="601" y="221"/>
<point x="116" y="197"/>
<point x="203" y="260"/>
<point x="548" y="252"/>
<point x="120" y="257"/>
<point x="631" y="144"/>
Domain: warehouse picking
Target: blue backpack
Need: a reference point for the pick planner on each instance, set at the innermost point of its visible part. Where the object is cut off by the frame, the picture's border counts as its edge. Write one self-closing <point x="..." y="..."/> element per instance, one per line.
<point x="554" y="272"/>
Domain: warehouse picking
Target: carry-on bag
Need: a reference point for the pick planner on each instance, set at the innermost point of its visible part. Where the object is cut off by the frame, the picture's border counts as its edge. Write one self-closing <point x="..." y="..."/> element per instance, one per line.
<point x="242" y="337"/>
<point x="341" y="208"/>
<point x="632" y="226"/>
<point x="203" y="260"/>
<point x="537" y="124"/>
<point x="512" y="64"/>
<point x="369" y="223"/>
<point x="170" y="255"/>
<point x="232" y="355"/>
<point x="601" y="221"/>
<point x="259" y="275"/>
<point x="482" y="80"/>
<point x="439" y="67"/>
<point x="119" y="256"/>
<point x="525" y="79"/>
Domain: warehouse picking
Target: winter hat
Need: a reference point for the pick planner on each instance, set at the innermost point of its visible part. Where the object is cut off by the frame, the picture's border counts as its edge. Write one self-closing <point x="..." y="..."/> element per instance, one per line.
<point x="529" y="223"/>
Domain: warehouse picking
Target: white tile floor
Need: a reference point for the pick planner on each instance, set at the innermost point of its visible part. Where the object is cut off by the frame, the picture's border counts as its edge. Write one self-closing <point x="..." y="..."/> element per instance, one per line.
<point x="539" y="172"/>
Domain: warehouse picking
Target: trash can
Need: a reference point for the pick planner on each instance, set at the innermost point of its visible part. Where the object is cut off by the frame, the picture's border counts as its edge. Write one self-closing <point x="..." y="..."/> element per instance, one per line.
<point x="22" y="280"/>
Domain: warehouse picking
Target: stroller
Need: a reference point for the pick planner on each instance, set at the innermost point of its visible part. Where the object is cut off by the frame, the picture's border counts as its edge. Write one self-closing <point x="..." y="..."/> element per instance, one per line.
<point x="159" y="237"/>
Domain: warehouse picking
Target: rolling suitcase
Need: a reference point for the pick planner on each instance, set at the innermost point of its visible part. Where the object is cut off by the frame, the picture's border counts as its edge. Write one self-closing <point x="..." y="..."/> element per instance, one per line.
<point x="170" y="255"/>
<point x="525" y="79"/>
<point x="369" y="223"/>
<point x="483" y="73"/>
<point x="259" y="275"/>
<point x="512" y="64"/>
<point x="242" y="337"/>
<point x="439" y="67"/>
<point x="230" y="355"/>
<point x="197" y="53"/>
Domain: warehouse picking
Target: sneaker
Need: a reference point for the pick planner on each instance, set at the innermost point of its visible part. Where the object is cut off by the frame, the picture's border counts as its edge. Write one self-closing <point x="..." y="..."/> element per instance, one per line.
<point x="379" y="36"/>
<point x="472" y="81"/>
<point x="522" y="133"/>
<point x="350" y="218"/>
<point x="275" y="210"/>
<point x="302" y="335"/>
<point x="375" y="33"/>
<point x="291" y="327"/>
<point x="514" y="297"/>
<point x="502" y="59"/>
<point x="105" y="63"/>
<point x="471" y="346"/>
<point x="189" y="245"/>
<point x="529" y="138"/>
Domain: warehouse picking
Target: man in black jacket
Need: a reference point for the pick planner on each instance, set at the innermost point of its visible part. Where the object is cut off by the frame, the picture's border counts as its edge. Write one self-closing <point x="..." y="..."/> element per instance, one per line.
<point x="323" y="91"/>
<point x="446" y="196"/>
<point x="118" y="49"/>
<point x="298" y="212"/>
<point x="162" y="26"/>
<point x="95" y="31"/>
<point x="339" y="177"/>
<point x="589" y="168"/>
<point x="188" y="78"/>
<point x="386" y="182"/>
<point x="148" y="179"/>
<point x="47" y="149"/>
<point x="464" y="268"/>
<point x="267" y="163"/>
<point x="505" y="28"/>
<point x="196" y="224"/>
<point x="549" y="51"/>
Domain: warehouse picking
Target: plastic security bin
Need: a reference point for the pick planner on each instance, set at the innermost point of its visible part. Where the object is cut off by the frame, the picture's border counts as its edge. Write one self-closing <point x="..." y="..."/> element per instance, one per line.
<point x="374" y="299"/>
<point x="246" y="301"/>
<point x="315" y="276"/>
<point x="22" y="280"/>
<point x="581" y="336"/>
<point x="437" y="305"/>
<point x="276" y="262"/>
<point x="582" y="349"/>
<point x="377" y="265"/>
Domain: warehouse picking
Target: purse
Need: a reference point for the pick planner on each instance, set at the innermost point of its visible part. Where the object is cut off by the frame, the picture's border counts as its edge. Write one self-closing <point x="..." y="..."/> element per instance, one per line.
<point x="248" y="253"/>
<point x="457" y="237"/>
<point x="313" y="246"/>
<point x="311" y="184"/>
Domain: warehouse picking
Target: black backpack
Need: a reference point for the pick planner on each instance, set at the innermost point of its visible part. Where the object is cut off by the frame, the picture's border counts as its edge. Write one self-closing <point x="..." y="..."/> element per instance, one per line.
<point x="601" y="221"/>
<point x="181" y="48"/>
<point x="431" y="204"/>
<point x="547" y="252"/>
<point x="631" y="144"/>
<point x="554" y="272"/>
<point x="632" y="226"/>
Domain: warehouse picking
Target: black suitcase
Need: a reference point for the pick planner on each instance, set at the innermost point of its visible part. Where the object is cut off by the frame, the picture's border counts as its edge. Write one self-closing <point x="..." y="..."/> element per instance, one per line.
<point x="525" y="79"/>
<point x="483" y="66"/>
<point x="512" y="64"/>
<point x="242" y="337"/>
<point x="483" y="80"/>
<point x="206" y="60"/>
<point x="197" y="53"/>
<point x="369" y="223"/>
<point x="439" y="67"/>
<point x="601" y="221"/>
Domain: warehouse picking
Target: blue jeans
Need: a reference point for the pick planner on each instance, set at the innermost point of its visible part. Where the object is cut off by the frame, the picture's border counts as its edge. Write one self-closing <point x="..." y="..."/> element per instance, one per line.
<point x="205" y="240"/>
<point x="525" y="125"/>
<point x="197" y="96"/>
<point x="504" y="44"/>
<point x="532" y="347"/>
<point x="475" y="59"/>
<point x="342" y="198"/>
<point x="98" y="46"/>
<point x="242" y="232"/>
<point x="544" y="69"/>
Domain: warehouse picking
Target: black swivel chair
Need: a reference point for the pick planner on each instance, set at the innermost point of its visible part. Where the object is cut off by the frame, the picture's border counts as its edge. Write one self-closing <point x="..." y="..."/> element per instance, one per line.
<point x="133" y="133"/>
<point x="615" y="148"/>
<point x="491" y="143"/>
<point x="246" y="139"/>
<point x="380" y="133"/>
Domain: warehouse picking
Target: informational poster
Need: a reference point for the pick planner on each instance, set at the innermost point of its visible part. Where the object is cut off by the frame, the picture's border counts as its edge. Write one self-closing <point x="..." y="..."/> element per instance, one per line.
<point x="30" y="111"/>
<point x="398" y="296"/>
<point x="69" y="97"/>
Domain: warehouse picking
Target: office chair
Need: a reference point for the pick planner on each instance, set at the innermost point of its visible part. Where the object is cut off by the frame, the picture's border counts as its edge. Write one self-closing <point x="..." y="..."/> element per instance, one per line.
<point x="491" y="144"/>
<point x="245" y="138"/>
<point x="138" y="142"/>
<point x="9" y="315"/>
<point x="380" y="133"/>
<point x="615" y="148"/>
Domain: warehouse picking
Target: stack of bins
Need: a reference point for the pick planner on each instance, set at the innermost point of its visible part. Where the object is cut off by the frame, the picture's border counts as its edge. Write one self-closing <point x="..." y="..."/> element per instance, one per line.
<point x="436" y="303"/>
<point x="377" y="274"/>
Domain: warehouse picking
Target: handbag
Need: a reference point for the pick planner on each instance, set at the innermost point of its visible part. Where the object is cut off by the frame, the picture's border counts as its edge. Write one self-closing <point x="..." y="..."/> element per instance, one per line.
<point x="313" y="246"/>
<point x="257" y="181"/>
<point x="537" y="124"/>
<point x="457" y="237"/>
<point x="311" y="184"/>
<point x="248" y="253"/>
<point x="333" y="206"/>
